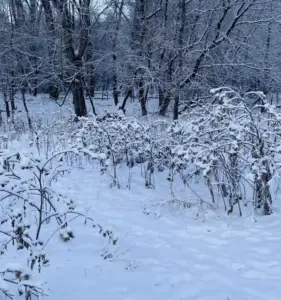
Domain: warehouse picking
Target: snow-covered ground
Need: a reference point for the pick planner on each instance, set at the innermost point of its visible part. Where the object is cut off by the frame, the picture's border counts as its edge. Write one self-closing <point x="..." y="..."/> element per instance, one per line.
<point x="163" y="252"/>
<point x="176" y="255"/>
<point x="43" y="106"/>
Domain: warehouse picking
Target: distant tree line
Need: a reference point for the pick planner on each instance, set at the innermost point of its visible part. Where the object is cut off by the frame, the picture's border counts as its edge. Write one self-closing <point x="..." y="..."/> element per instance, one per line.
<point x="175" y="49"/>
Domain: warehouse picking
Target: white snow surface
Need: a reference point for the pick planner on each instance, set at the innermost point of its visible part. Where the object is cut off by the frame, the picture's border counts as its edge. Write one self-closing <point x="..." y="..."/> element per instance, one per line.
<point x="175" y="256"/>
<point x="163" y="252"/>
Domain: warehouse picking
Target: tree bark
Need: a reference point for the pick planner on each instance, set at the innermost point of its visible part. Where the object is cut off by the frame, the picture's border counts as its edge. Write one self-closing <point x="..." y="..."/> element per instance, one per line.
<point x="165" y="105"/>
<point x="176" y="107"/>
<point x="160" y="96"/>
<point x="78" y="97"/>
<point x="142" y="97"/>
<point x="7" y="105"/>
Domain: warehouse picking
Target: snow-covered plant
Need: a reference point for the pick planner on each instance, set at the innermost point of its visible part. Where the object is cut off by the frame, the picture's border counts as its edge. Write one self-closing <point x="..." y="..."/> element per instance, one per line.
<point x="22" y="277"/>
<point x="257" y="132"/>
<point x="233" y="142"/>
<point x="155" y="150"/>
<point x="28" y="202"/>
<point x="121" y="138"/>
<point x="51" y="134"/>
<point x="100" y="135"/>
<point x="115" y="137"/>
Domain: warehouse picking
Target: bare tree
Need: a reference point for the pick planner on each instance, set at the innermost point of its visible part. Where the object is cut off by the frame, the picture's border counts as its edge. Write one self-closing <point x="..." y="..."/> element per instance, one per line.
<point x="75" y="54"/>
<point x="177" y="48"/>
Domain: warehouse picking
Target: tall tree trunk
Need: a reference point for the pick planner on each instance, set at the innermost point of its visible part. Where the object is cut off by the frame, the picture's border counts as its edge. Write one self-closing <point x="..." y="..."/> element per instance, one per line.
<point x="180" y="43"/>
<point x="165" y="105"/>
<point x="34" y="14"/>
<point x="79" y="97"/>
<point x="176" y="106"/>
<point x="75" y="56"/>
<point x="7" y="105"/>
<point x="26" y="108"/>
<point x="167" y="100"/>
<point x="160" y="96"/>
<point x="90" y="70"/>
<point x="11" y="90"/>
<point x="138" y="39"/>
<point x="90" y="80"/>
<point x="49" y="17"/>
<point x="142" y="97"/>
<point x="266" y="59"/>
<point x="77" y="88"/>
<point x="12" y="100"/>
<point x="114" y="57"/>
<point x="115" y="89"/>
<point x="128" y="94"/>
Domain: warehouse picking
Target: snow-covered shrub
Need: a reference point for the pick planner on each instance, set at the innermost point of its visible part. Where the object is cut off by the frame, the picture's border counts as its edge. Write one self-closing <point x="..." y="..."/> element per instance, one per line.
<point x="257" y="133"/>
<point x="125" y="141"/>
<point x="28" y="202"/>
<point x="119" y="139"/>
<point x="232" y="144"/>
<point x="209" y="148"/>
<point x="102" y="136"/>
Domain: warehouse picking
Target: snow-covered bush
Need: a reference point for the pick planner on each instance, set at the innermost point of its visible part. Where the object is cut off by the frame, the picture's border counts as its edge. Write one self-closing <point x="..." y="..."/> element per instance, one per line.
<point x="28" y="202"/>
<point x="125" y="141"/>
<point x="254" y="143"/>
<point x="232" y="143"/>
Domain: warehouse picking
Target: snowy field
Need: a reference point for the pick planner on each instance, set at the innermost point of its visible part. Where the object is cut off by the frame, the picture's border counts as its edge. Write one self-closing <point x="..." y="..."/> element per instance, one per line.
<point x="164" y="251"/>
<point x="176" y="255"/>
